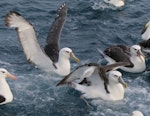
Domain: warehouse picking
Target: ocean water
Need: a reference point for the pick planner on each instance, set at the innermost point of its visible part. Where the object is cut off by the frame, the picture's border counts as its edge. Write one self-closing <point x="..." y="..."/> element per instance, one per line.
<point x="90" y="25"/>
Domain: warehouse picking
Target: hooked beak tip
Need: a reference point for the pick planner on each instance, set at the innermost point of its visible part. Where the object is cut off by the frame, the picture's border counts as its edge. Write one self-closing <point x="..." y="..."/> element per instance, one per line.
<point x="74" y="57"/>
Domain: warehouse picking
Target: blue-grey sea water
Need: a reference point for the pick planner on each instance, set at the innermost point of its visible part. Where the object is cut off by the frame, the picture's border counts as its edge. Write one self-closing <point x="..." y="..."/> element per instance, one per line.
<point x="90" y="24"/>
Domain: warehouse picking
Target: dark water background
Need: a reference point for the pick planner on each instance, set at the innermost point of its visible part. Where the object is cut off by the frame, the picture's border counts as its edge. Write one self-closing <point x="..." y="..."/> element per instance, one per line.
<point x="89" y="25"/>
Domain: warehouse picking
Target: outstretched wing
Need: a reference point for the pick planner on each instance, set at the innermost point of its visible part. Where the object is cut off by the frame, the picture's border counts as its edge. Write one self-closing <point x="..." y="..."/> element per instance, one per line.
<point x="78" y="74"/>
<point x="114" y="66"/>
<point x="52" y="42"/>
<point x="27" y="37"/>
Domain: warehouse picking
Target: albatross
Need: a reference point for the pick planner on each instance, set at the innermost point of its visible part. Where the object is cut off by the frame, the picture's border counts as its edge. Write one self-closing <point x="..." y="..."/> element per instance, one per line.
<point x="90" y="80"/>
<point x="51" y="58"/>
<point x="137" y="113"/>
<point x="145" y="34"/>
<point x="116" y="3"/>
<point x="6" y="95"/>
<point x="134" y="58"/>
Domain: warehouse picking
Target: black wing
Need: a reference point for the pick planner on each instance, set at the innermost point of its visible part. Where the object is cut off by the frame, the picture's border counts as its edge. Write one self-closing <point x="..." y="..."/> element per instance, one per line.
<point x="118" y="54"/>
<point x="145" y="43"/>
<point x="52" y="42"/>
<point x="2" y="98"/>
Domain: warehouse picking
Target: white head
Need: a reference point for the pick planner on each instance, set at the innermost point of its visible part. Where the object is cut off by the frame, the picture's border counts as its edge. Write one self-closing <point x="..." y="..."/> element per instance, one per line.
<point x="137" y="113"/>
<point x="67" y="54"/>
<point x="136" y="51"/>
<point x="4" y="73"/>
<point x="116" y="77"/>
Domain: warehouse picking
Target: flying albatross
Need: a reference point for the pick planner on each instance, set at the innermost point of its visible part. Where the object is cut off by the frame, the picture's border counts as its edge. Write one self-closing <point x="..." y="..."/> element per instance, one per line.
<point x="96" y="81"/>
<point x="6" y="95"/>
<point x="145" y="34"/>
<point x="49" y="59"/>
<point x="133" y="56"/>
<point x="116" y="3"/>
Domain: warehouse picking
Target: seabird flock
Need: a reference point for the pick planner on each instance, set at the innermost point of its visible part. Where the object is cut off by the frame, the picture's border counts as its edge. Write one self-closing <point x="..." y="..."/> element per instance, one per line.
<point x="93" y="80"/>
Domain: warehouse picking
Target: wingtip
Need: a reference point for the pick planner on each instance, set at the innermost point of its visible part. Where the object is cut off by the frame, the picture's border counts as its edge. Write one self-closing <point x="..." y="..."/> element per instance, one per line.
<point x="62" y="10"/>
<point x="8" y="17"/>
<point x="60" y="83"/>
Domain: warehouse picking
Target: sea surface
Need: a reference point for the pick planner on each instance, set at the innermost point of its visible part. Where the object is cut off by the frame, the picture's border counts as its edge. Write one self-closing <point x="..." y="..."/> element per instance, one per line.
<point x="90" y="24"/>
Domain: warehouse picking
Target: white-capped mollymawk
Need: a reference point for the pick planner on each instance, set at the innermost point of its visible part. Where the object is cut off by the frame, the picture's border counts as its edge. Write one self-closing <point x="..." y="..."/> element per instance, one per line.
<point x="145" y="44"/>
<point x="133" y="56"/>
<point x="6" y="95"/>
<point x="49" y="59"/>
<point x="116" y="3"/>
<point x="96" y="81"/>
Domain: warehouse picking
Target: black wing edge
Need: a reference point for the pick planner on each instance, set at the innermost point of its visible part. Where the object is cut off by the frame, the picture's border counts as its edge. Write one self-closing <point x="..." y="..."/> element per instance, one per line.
<point x="52" y="43"/>
<point x="9" y="15"/>
<point x="114" y="66"/>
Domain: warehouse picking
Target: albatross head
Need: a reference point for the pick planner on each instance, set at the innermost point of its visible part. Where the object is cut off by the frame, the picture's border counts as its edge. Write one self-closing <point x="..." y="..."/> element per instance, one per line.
<point x="4" y="73"/>
<point x="136" y="51"/>
<point x="67" y="53"/>
<point x="116" y="77"/>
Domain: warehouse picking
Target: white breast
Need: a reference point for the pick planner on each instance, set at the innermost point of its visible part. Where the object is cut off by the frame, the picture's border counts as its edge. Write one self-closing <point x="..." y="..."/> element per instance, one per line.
<point x="5" y="91"/>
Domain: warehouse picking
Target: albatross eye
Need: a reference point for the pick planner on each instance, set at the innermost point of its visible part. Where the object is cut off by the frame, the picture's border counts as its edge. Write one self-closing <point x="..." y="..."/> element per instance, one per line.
<point x="116" y="75"/>
<point x="3" y="71"/>
<point x="67" y="52"/>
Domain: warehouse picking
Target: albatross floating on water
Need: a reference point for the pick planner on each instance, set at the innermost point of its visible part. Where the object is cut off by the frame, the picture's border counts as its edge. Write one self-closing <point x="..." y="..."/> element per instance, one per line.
<point x="90" y="79"/>
<point x="146" y="37"/>
<point x="51" y="59"/>
<point x="133" y="56"/>
<point x="6" y="95"/>
<point x="137" y="113"/>
<point x="116" y="3"/>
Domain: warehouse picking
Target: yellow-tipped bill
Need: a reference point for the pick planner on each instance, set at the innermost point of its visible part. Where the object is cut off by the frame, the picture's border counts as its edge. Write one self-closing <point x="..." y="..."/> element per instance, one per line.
<point x="74" y="57"/>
